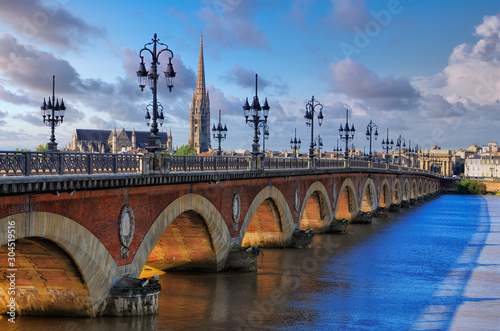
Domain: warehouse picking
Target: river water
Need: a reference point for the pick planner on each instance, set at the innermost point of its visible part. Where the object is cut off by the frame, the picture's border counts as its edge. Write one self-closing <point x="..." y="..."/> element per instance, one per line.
<point x="384" y="276"/>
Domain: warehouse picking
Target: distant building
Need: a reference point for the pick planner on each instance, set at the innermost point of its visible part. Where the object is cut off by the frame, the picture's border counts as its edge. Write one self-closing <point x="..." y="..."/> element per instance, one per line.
<point x="199" y="126"/>
<point x="114" y="141"/>
<point x="482" y="167"/>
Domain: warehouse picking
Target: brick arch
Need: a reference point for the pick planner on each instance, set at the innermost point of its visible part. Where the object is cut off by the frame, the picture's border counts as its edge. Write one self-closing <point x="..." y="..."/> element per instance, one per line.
<point x="406" y="190"/>
<point x="384" y="199"/>
<point x="369" y="197"/>
<point x="396" y="189"/>
<point x="96" y="266"/>
<point x="274" y="199"/>
<point x="426" y="188"/>
<point x="414" y="189"/>
<point x="347" y="204"/>
<point x="221" y="238"/>
<point x="420" y="188"/>
<point x="316" y="210"/>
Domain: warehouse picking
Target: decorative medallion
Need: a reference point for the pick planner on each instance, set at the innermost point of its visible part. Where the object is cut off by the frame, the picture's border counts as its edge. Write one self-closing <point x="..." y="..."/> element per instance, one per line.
<point x="236" y="208"/>
<point x="126" y="228"/>
<point x="296" y="200"/>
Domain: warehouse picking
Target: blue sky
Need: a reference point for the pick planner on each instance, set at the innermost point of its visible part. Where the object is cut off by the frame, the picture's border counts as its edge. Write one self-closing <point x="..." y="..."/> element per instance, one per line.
<point x="428" y="70"/>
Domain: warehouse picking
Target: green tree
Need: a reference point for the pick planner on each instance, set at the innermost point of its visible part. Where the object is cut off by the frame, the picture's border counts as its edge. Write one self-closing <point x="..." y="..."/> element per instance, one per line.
<point x="22" y="149"/>
<point x="185" y="150"/>
<point x="42" y="147"/>
<point x="471" y="187"/>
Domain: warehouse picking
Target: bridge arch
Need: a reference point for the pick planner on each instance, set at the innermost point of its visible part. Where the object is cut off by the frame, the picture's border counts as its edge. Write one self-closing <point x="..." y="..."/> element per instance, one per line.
<point x="414" y="189"/>
<point x="347" y="204"/>
<point x="194" y="207"/>
<point x="272" y="202"/>
<point x="316" y="210"/>
<point x="397" y="195"/>
<point x="385" y="196"/>
<point x="406" y="190"/>
<point x="52" y="231"/>
<point x="369" y="200"/>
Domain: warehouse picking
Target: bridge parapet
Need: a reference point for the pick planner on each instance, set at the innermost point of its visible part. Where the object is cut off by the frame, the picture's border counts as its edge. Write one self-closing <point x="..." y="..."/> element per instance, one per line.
<point x="21" y="163"/>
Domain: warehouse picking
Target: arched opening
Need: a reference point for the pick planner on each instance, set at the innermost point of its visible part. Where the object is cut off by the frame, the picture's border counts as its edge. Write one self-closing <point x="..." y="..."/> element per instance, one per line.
<point x="396" y="197"/>
<point x="346" y="204"/>
<point x="314" y="212"/>
<point x="186" y="244"/>
<point x="265" y="228"/>
<point x="406" y="191"/>
<point x="384" y="196"/>
<point x="414" y="192"/>
<point x="47" y="280"/>
<point x="367" y="201"/>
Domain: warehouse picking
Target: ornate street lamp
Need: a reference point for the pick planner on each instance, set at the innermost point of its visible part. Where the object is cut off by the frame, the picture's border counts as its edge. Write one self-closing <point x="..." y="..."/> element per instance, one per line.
<point x="258" y="119"/>
<point x="400" y="143"/>
<point x="309" y="116"/>
<point x="295" y="144"/>
<point x="219" y="133"/>
<point x="266" y="137"/>
<point x="152" y="77"/>
<point x="387" y="146"/>
<point x="369" y="133"/>
<point x="53" y="115"/>
<point x="346" y="134"/>
<point x="318" y="142"/>
<point x="337" y="150"/>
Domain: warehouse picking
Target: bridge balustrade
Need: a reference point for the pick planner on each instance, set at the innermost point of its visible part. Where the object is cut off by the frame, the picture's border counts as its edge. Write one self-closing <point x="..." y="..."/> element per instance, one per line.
<point x="21" y="163"/>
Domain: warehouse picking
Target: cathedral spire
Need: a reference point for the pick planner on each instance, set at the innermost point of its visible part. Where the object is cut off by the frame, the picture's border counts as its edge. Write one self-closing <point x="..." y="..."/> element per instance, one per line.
<point x="200" y="83"/>
<point x="199" y="135"/>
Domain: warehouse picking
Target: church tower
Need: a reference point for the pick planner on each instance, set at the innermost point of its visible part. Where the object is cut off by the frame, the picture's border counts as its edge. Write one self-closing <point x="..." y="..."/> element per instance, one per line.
<point x="199" y="133"/>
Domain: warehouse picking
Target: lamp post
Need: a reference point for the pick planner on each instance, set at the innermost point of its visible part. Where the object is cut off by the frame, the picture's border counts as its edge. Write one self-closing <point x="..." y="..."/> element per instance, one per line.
<point x="152" y="77"/>
<point x="219" y="133"/>
<point x="387" y="146"/>
<point x="318" y="142"/>
<point x="369" y="133"/>
<point x="264" y="138"/>
<point x="295" y="144"/>
<point x="346" y="134"/>
<point x="337" y="150"/>
<point x="400" y="143"/>
<point x="256" y="111"/>
<point x="309" y="116"/>
<point x="53" y="115"/>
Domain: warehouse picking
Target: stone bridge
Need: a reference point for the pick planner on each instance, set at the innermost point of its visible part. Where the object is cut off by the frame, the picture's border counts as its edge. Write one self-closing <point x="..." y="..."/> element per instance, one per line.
<point x="82" y="240"/>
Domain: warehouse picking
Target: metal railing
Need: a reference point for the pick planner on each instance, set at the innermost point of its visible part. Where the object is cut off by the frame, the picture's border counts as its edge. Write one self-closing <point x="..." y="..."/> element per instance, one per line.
<point x="20" y="163"/>
<point x="50" y="163"/>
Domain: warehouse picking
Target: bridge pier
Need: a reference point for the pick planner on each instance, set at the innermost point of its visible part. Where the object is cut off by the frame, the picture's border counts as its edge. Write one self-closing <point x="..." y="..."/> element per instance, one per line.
<point x="133" y="297"/>
<point x="405" y="204"/>
<point x="381" y="212"/>
<point x="395" y="207"/>
<point x="302" y="239"/>
<point x="338" y="226"/>
<point x="242" y="259"/>
<point x="362" y="218"/>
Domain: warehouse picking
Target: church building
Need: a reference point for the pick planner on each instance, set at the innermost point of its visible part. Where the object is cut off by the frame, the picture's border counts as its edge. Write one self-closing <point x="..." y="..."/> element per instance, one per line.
<point x="115" y="141"/>
<point x="199" y="127"/>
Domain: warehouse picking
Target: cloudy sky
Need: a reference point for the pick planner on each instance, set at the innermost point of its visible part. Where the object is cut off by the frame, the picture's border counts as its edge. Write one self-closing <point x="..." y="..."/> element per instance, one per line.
<point x="426" y="70"/>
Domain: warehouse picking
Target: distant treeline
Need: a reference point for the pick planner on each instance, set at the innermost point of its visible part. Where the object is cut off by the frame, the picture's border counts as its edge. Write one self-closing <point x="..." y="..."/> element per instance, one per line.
<point x="466" y="186"/>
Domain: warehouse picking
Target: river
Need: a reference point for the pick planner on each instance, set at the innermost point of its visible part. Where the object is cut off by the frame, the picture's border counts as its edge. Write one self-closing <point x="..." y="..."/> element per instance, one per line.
<point x="408" y="271"/>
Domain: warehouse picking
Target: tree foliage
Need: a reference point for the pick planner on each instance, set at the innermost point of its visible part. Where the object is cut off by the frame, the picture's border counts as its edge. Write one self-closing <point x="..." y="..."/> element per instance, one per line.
<point x="185" y="150"/>
<point x="42" y="147"/>
<point x="471" y="187"/>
